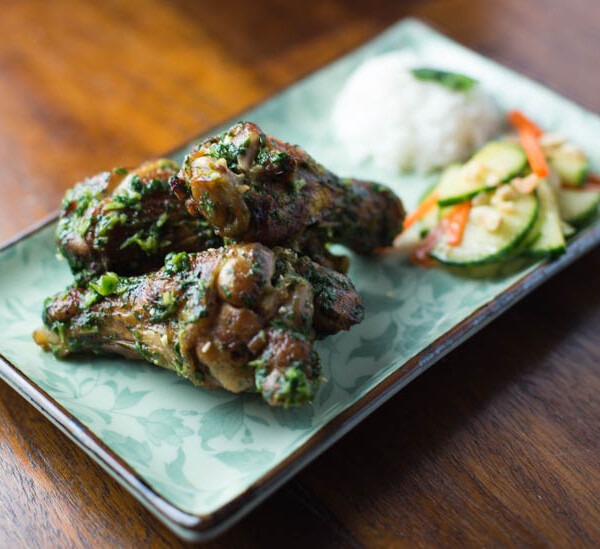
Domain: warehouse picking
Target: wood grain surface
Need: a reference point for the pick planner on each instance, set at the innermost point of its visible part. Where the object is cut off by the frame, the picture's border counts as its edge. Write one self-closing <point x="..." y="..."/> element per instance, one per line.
<point x="497" y="445"/>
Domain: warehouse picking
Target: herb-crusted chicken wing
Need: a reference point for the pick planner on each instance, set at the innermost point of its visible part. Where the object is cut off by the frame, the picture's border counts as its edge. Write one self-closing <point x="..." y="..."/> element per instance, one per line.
<point x="127" y="222"/>
<point x="243" y="318"/>
<point x="255" y="188"/>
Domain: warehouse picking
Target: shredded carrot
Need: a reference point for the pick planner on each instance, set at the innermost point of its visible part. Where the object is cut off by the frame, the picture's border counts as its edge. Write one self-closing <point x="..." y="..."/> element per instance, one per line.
<point x="456" y="222"/>
<point x="534" y="152"/>
<point x="592" y="183"/>
<point x="421" y="210"/>
<point x="420" y="255"/>
<point x="589" y="186"/>
<point x="520" y="121"/>
<point x="452" y="227"/>
<point x="529" y="135"/>
<point x="593" y="178"/>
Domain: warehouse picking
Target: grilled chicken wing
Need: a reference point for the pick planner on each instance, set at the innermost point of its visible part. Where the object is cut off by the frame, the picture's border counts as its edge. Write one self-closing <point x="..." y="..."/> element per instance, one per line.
<point x="127" y="222"/>
<point x="242" y="317"/>
<point x="255" y="188"/>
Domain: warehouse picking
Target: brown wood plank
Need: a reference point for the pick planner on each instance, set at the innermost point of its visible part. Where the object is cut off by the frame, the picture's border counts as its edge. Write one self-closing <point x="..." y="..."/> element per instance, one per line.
<point x="497" y="445"/>
<point x="499" y="441"/>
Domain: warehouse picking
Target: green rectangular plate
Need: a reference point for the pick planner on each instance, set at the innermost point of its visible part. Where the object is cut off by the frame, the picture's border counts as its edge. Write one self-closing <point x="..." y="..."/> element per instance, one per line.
<point x="200" y="460"/>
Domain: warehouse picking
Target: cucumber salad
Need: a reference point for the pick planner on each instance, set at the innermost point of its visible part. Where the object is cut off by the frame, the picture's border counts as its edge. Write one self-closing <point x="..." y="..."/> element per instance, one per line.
<point x="520" y="196"/>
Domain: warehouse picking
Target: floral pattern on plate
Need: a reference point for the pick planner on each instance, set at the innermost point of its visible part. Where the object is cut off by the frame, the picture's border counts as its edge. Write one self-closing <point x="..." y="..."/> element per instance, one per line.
<point x="200" y="450"/>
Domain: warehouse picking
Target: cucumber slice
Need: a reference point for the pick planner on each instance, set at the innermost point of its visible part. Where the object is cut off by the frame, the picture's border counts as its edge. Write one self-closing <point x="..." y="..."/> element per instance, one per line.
<point x="532" y="235"/>
<point x="578" y="207"/>
<point x="451" y="184"/>
<point x="480" y="246"/>
<point x="571" y="164"/>
<point x="503" y="160"/>
<point x="432" y="218"/>
<point x="551" y="241"/>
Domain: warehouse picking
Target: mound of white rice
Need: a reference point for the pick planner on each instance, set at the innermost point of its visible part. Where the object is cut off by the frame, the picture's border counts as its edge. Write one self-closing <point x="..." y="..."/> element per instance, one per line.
<point x="402" y="123"/>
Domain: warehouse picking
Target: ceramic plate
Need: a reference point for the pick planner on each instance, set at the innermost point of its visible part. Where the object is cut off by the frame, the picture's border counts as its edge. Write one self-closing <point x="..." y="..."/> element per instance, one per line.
<point x="199" y="460"/>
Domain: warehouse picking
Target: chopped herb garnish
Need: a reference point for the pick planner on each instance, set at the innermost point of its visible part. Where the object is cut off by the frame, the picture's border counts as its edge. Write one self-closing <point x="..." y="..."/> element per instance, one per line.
<point x="164" y="308"/>
<point x="207" y="204"/>
<point x="177" y="262"/>
<point x="106" y="284"/>
<point x="136" y="184"/>
<point x="167" y="164"/>
<point x="113" y="205"/>
<point x="451" y="80"/>
<point x="157" y="185"/>
<point x="148" y="244"/>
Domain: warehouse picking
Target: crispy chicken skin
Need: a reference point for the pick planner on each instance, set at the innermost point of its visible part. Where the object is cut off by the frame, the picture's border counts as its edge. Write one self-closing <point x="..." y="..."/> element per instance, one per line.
<point x="127" y="221"/>
<point x="242" y="317"/>
<point x="255" y="188"/>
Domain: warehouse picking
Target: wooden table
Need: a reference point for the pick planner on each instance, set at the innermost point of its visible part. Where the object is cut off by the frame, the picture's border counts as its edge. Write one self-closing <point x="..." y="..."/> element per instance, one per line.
<point x="497" y="444"/>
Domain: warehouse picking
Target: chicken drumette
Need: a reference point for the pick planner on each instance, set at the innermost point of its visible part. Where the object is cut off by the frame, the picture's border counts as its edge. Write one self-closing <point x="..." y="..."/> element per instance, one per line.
<point x="127" y="221"/>
<point x="255" y="188"/>
<point x="242" y="317"/>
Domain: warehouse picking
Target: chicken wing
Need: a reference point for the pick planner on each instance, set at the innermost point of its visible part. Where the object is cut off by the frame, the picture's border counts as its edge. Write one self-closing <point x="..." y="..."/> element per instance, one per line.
<point x="255" y="188"/>
<point x="127" y="222"/>
<point x="242" y="317"/>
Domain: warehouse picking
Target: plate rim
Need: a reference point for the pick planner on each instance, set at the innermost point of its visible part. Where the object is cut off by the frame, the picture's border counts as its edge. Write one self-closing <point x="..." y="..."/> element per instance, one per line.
<point x="205" y="526"/>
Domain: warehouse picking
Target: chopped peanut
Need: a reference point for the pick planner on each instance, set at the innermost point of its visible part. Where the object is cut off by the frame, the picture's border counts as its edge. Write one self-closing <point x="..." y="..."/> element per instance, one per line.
<point x="569" y="148"/>
<point x="551" y="140"/>
<point x="487" y="217"/>
<point x="492" y="179"/>
<point x="475" y="171"/>
<point x="526" y="185"/>
<point x="503" y="194"/>
<point x="507" y="207"/>
<point x="503" y="199"/>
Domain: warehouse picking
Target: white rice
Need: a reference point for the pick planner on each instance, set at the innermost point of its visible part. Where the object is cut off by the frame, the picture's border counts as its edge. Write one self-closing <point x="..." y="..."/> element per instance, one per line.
<point x="402" y="123"/>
